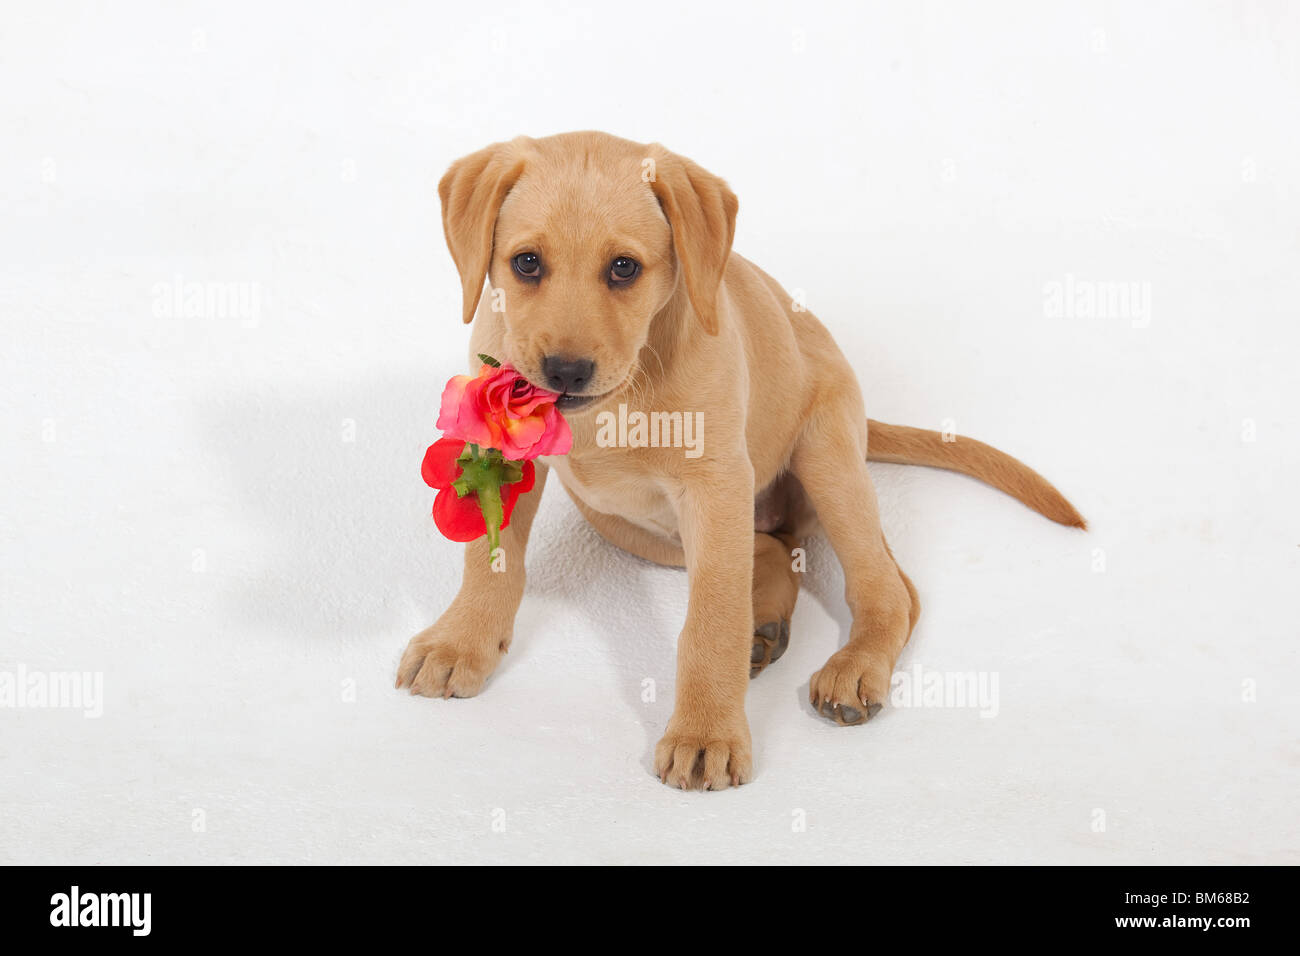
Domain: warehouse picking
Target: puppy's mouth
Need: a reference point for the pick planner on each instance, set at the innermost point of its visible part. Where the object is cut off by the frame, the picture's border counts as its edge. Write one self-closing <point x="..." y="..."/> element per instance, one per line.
<point x="564" y="401"/>
<point x="571" y="403"/>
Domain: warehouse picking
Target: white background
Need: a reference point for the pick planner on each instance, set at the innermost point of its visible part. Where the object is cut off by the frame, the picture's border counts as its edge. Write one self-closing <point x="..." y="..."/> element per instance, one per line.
<point x="181" y="510"/>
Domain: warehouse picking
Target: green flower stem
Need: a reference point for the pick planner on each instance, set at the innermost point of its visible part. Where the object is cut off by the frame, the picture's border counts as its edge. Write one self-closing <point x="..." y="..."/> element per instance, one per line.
<point x="483" y="473"/>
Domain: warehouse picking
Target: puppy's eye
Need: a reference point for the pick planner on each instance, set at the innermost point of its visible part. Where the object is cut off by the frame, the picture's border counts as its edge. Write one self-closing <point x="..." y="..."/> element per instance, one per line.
<point x="528" y="265"/>
<point x="623" y="269"/>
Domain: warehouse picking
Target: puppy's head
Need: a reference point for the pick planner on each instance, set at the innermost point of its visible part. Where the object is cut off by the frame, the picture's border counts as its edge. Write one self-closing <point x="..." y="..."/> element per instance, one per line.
<point x="584" y="238"/>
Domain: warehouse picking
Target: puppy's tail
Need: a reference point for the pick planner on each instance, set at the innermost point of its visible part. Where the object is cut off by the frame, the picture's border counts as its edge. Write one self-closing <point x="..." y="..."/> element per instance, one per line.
<point x="902" y="445"/>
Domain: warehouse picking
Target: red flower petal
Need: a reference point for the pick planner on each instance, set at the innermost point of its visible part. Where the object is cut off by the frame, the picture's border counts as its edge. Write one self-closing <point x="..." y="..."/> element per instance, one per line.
<point x="510" y="493"/>
<point x="458" y="518"/>
<point x="557" y="439"/>
<point x="439" y="468"/>
<point x="461" y="519"/>
<point x="453" y="394"/>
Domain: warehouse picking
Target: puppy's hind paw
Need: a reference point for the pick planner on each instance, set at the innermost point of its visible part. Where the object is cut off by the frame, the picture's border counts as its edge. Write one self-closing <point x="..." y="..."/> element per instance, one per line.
<point x="770" y="641"/>
<point x="850" y="689"/>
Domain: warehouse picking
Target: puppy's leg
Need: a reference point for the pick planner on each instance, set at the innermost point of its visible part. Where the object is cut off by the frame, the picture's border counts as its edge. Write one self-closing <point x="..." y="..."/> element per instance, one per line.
<point x="707" y="741"/>
<point x="454" y="657"/>
<point x="776" y="587"/>
<point x="830" y="460"/>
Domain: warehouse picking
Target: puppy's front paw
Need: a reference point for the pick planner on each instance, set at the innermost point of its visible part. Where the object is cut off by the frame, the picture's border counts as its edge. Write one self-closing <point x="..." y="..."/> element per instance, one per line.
<point x="440" y="664"/>
<point x="851" y="688"/>
<point x="709" y="754"/>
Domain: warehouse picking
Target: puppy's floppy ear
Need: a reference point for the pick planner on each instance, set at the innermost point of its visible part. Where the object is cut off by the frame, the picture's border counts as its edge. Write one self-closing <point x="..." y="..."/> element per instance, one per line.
<point x="472" y="192"/>
<point x="702" y="213"/>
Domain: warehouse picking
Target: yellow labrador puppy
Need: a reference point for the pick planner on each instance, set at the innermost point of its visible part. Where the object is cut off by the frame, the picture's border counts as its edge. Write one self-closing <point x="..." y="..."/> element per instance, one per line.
<point x="612" y="281"/>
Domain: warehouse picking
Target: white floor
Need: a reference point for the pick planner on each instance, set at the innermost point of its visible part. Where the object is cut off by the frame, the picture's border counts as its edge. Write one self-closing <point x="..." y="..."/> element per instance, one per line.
<point x="221" y="511"/>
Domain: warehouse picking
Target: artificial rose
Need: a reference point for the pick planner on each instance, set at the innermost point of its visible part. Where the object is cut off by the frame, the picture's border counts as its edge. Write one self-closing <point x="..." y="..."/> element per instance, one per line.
<point x="460" y="516"/>
<point x="499" y="408"/>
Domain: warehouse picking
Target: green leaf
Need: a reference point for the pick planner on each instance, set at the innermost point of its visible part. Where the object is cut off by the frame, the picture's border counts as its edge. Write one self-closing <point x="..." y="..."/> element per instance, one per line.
<point x="488" y="360"/>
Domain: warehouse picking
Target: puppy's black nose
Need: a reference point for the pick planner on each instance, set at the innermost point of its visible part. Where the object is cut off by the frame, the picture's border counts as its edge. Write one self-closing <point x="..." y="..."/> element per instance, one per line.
<point x="566" y="374"/>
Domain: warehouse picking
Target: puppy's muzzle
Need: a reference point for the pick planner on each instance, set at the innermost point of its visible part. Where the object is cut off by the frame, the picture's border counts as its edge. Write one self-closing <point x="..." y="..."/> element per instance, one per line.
<point x="567" y="375"/>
